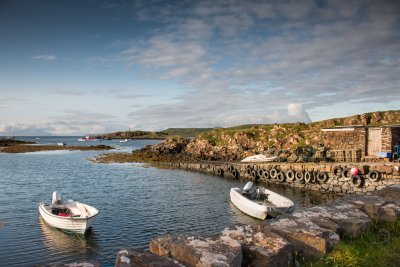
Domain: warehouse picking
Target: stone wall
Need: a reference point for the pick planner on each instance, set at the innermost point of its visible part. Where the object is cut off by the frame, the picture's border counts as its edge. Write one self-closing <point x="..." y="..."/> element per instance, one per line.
<point x="395" y="136"/>
<point x="351" y="140"/>
<point x="326" y="177"/>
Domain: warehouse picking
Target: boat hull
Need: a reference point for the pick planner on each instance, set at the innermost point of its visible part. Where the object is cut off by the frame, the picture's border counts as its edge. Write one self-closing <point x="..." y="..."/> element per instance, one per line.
<point x="70" y="224"/>
<point x="278" y="204"/>
<point x="247" y="206"/>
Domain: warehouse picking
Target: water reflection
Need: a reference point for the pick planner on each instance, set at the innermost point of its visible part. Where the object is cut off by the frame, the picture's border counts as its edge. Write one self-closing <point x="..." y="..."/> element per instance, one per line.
<point x="69" y="243"/>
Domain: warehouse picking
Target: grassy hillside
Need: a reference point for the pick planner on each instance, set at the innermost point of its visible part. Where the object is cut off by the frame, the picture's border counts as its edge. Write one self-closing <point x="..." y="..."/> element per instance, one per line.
<point x="185" y="132"/>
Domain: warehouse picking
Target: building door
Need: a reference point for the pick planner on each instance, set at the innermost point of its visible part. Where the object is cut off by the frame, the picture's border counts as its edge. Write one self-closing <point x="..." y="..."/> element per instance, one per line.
<point x="374" y="141"/>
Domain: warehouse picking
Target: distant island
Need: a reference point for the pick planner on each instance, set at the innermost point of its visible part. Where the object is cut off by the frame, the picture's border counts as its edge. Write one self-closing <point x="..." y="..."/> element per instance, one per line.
<point x="183" y="132"/>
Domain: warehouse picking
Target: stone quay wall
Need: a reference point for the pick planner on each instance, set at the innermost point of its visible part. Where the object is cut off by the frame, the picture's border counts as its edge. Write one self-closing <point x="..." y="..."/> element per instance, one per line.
<point x="346" y="141"/>
<point x="324" y="177"/>
<point x="391" y="139"/>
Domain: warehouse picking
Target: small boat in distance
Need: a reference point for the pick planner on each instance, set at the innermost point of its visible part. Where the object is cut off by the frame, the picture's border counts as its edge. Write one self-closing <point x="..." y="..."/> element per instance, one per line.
<point x="61" y="144"/>
<point x="259" y="158"/>
<point x="87" y="138"/>
<point x="123" y="141"/>
<point x="72" y="216"/>
<point x="260" y="202"/>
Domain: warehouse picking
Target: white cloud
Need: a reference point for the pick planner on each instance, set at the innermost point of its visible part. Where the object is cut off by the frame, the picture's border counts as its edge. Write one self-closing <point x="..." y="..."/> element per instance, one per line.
<point x="48" y="57"/>
<point x="297" y="111"/>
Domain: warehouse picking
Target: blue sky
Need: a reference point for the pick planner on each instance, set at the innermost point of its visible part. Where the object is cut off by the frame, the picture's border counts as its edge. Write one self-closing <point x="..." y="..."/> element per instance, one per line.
<point x="78" y="67"/>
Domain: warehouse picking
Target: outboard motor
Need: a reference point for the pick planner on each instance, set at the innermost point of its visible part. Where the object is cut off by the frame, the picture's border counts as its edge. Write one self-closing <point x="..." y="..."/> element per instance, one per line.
<point x="56" y="198"/>
<point x="248" y="187"/>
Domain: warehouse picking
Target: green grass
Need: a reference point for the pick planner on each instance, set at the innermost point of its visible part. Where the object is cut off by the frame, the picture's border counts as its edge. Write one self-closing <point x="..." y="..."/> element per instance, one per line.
<point x="379" y="246"/>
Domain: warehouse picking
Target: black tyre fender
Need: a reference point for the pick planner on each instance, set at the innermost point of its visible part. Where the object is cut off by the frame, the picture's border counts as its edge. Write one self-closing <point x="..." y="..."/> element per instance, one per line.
<point x="374" y="176"/>
<point x="220" y="172"/>
<point x="290" y="175"/>
<point x="254" y="175"/>
<point x="249" y="169"/>
<point x="235" y="173"/>
<point x="230" y="168"/>
<point x="273" y="173"/>
<point x="308" y="177"/>
<point x="266" y="175"/>
<point x="356" y="180"/>
<point x="346" y="173"/>
<point x="322" y="177"/>
<point x="260" y="173"/>
<point x="299" y="176"/>
<point x="337" y="172"/>
<point x="280" y="176"/>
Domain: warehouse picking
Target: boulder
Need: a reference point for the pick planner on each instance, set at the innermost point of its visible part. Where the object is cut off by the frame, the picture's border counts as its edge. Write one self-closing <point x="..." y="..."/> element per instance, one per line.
<point x="389" y="193"/>
<point x="377" y="208"/>
<point x="349" y="219"/>
<point x="193" y="250"/>
<point x="136" y="258"/>
<point x="307" y="238"/>
<point x="261" y="248"/>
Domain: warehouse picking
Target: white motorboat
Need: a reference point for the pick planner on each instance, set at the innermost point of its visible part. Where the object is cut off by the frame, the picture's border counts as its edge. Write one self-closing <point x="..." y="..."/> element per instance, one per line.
<point x="260" y="202"/>
<point x="259" y="158"/>
<point x="87" y="138"/>
<point x="123" y="141"/>
<point x="72" y="216"/>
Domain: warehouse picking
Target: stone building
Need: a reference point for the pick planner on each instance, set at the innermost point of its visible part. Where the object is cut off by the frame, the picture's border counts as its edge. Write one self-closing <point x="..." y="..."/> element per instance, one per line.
<point x="361" y="143"/>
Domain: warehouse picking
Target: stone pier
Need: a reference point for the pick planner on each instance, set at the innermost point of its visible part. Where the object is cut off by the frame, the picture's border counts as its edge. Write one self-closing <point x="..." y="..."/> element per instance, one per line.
<point x="324" y="177"/>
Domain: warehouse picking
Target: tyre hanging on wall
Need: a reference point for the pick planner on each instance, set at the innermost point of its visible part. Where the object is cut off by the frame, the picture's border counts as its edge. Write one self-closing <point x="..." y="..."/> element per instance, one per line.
<point x="299" y="176"/>
<point x="322" y="177"/>
<point x="337" y="172"/>
<point x="346" y="173"/>
<point x="374" y="176"/>
<point x="248" y="169"/>
<point x="290" y="175"/>
<point x="266" y="174"/>
<point x="235" y="173"/>
<point x="280" y="176"/>
<point x="273" y="173"/>
<point x="356" y="181"/>
<point x="230" y="168"/>
<point x="254" y="175"/>
<point x="260" y="172"/>
<point x="220" y="172"/>
<point x="308" y="177"/>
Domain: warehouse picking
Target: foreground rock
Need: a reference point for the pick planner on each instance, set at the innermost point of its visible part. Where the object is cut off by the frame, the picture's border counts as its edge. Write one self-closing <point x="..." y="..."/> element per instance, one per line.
<point x="341" y="217"/>
<point x="259" y="247"/>
<point x="307" y="238"/>
<point x="136" y="258"/>
<point x="193" y="250"/>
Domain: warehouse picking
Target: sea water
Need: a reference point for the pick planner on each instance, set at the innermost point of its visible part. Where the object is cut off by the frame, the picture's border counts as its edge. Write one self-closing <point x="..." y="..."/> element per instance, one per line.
<point x="136" y="203"/>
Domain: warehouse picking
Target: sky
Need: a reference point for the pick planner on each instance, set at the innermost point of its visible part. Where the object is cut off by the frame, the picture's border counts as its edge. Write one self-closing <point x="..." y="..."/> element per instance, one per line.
<point x="79" y="67"/>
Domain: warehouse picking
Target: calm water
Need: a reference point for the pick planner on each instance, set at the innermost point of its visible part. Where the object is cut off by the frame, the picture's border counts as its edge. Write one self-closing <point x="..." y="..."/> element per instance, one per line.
<point x="136" y="203"/>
